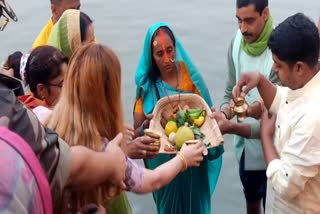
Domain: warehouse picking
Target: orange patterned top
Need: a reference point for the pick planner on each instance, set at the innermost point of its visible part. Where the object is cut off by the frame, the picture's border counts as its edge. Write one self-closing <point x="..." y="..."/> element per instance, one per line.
<point x="186" y="84"/>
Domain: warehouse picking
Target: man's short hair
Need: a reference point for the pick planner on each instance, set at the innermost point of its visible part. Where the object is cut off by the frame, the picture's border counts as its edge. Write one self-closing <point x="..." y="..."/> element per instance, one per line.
<point x="296" y="39"/>
<point x="55" y="1"/>
<point x="259" y="4"/>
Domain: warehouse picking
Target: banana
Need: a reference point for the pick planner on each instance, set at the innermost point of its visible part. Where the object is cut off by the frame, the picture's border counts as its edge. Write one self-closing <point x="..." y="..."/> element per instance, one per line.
<point x="199" y="121"/>
<point x="194" y="110"/>
<point x="194" y="113"/>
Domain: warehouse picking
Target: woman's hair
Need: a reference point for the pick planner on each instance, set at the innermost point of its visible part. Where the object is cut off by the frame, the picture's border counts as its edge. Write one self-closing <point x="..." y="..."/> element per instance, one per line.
<point x="85" y="21"/>
<point x="154" y="71"/>
<point x="90" y="108"/>
<point x="13" y="62"/>
<point x="43" y="65"/>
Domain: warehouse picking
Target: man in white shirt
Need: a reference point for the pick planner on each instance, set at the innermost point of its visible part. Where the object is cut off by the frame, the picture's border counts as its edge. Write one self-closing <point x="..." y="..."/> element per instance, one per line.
<point x="293" y="161"/>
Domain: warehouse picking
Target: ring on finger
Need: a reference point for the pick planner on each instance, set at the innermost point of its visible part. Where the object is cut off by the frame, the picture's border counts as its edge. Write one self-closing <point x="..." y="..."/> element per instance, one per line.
<point x="144" y="153"/>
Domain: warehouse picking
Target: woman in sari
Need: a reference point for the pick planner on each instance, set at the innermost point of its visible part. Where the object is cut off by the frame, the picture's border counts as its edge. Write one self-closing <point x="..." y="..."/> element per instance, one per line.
<point x="166" y="69"/>
<point x="89" y="113"/>
<point x="43" y="72"/>
<point x="73" y="29"/>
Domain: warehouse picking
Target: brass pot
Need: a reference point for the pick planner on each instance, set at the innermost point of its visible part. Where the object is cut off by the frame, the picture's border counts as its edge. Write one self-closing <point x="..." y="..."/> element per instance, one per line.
<point x="155" y="135"/>
<point x="240" y="108"/>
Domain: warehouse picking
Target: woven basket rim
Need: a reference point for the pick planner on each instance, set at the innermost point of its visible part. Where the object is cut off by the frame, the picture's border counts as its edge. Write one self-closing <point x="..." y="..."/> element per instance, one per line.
<point x="210" y="128"/>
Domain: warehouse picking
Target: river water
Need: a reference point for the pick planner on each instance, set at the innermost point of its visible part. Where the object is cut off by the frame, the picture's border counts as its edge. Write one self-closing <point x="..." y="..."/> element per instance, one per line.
<point x="204" y="27"/>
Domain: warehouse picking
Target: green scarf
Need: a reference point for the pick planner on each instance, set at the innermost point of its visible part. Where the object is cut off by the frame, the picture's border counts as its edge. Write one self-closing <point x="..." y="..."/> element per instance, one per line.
<point x="256" y="48"/>
<point x="65" y="34"/>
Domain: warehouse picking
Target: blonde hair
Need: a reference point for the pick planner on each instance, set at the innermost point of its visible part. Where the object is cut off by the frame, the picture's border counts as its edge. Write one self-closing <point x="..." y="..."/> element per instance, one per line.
<point x="90" y="108"/>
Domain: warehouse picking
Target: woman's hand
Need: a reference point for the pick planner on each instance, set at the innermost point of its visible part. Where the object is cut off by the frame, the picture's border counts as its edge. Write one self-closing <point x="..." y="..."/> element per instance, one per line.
<point x="192" y="153"/>
<point x="141" y="148"/>
<point x="129" y="132"/>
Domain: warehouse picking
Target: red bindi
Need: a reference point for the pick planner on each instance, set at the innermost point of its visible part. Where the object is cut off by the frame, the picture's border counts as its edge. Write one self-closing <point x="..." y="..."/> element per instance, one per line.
<point x="163" y="44"/>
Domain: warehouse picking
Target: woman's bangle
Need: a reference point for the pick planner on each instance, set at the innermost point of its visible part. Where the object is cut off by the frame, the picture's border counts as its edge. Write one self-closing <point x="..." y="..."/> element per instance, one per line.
<point x="183" y="159"/>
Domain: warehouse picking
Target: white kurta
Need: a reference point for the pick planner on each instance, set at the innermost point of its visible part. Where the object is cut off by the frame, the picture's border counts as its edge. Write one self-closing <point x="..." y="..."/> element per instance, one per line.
<point x="294" y="178"/>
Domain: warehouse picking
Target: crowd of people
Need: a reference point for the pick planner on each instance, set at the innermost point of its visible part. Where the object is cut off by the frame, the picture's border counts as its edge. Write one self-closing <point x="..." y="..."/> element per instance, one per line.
<point x="66" y="148"/>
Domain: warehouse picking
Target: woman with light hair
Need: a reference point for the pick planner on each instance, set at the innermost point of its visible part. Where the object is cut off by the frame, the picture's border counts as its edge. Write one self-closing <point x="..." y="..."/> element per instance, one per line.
<point x="89" y="113"/>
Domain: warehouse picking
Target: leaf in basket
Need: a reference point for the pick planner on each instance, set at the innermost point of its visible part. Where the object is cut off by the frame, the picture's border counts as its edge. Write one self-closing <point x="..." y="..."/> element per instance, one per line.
<point x="197" y="133"/>
<point x="181" y="118"/>
<point x="194" y="113"/>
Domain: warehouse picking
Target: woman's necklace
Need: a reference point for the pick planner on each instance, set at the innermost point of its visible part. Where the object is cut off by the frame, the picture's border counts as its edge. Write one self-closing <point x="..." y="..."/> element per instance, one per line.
<point x="178" y="74"/>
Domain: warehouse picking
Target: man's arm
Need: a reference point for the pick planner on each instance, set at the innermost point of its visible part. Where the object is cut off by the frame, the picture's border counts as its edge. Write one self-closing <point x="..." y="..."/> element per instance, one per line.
<point x="266" y="90"/>
<point x="229" y="127"/>
<point x="299" y="161"/>
<point x="255" y="111"/>
<point x="226" y="126"/>
<point x="231" y="82"/>
<point x="256" y="108"/>
<point x="250" y="80"/>
<point x="267" y="134"/>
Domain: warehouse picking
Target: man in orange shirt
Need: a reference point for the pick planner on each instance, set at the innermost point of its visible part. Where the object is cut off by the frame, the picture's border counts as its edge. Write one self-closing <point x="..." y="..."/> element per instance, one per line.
<point x="57" y="9"/>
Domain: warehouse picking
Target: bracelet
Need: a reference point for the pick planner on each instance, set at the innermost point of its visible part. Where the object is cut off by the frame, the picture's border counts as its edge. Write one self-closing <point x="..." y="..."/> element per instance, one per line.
<point x="183" y="159"/>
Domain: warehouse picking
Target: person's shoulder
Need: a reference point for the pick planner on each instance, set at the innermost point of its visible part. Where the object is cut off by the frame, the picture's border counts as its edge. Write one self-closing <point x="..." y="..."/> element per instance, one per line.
<point x="235" y="35"/>
<point x="44" y="34"/>
<point x="232" y="42"/>
<point x="309" y="115"/>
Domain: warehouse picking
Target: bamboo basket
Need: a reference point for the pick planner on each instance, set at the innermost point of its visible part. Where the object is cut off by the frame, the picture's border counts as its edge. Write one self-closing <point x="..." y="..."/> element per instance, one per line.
<point x="210" y="127"/>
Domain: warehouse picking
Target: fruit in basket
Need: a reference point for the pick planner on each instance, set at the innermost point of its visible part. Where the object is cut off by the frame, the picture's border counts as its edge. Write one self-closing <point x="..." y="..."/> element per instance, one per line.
<point x="196" y="117"/>
<point x="194" y="113"/>
<point x="183" y="134"/>
<point x="199" y="121"/>
<point x="172" y="137"/>
<point x="170" y="127"/>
